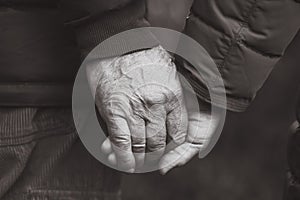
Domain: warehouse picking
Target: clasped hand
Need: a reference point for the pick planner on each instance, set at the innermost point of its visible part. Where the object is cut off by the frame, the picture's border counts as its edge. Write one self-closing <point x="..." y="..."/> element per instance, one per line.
<point x="142" y="102"/>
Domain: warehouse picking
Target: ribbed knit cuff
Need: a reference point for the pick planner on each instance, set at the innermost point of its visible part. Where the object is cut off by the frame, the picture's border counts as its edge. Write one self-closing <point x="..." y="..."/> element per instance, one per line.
<point x="230" y="103"/>
<point x="99" y="28"/>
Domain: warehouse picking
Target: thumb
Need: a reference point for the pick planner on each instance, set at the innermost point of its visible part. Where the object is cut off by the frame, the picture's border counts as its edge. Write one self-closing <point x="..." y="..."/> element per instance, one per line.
<point x="200" y="131"/>
<point x="178" y="157"/>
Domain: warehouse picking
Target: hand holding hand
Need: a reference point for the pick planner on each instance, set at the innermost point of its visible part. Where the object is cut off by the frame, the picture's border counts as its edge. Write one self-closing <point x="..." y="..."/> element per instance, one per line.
<point x="140" y="98"/>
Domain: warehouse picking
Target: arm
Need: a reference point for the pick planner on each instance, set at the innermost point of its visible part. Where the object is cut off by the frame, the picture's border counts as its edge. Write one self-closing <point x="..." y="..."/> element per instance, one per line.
<point x="134" y="101"/>
<point x="245" y="39"/>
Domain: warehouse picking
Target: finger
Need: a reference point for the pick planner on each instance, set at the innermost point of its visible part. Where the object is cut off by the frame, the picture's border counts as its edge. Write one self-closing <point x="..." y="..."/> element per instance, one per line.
<point x="112" y="159"/>
<point x="156" y="133"/>
<point x="178" y="157"/>
<point x="106" y="147"/>
<point x="138" y="140"/>
<point x="121" y="143"/>
<point x="177" y="121"/>
<point x="199" y="135"/>
<point x="155" y="144"/>
<point x="200" y="127"/>
<point x="200" y="120"/>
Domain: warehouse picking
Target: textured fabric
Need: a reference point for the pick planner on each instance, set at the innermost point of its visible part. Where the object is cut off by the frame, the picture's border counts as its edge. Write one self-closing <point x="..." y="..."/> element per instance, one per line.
<point x="245" y="39"/>
<point x="97" y="27"/>
<point x="43" y="44"/>
<point x="41" y="157"/>
<point x="35" y="94"/>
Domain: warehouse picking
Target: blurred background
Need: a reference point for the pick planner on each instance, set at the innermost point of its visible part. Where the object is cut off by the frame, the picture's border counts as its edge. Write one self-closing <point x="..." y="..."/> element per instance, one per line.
<point x="249" y="160"/>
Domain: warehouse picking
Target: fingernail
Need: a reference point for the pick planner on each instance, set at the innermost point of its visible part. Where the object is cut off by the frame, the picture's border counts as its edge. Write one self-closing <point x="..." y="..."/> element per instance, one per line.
<point x="131" y="171"/>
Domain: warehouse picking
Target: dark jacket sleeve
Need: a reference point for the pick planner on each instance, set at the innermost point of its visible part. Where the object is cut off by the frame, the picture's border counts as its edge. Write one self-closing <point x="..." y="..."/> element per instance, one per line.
<point x="245" y="39"/>
<point x="96" y="20"/>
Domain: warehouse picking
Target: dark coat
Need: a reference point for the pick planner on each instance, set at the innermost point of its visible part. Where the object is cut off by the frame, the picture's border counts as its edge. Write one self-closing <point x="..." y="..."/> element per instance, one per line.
<point x="42" y="42"/>
<point x="246" y="39"/>
<point x="41" y="46"/>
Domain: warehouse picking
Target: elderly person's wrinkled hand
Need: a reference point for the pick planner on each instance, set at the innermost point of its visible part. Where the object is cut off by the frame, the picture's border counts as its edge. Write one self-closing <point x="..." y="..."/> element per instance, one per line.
<point x="144" y="106"/>
<point x="140" y="98"/>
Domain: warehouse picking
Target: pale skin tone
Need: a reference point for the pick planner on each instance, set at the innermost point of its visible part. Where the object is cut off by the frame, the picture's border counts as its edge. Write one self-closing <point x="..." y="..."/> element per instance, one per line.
<point x="141" y="99"/>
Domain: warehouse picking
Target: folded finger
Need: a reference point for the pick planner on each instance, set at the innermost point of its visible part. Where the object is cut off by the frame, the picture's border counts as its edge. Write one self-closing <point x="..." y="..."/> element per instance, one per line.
<point x="120" y="137"/>
<point x="177" y="121"/>
<point x="178" y="157"/>
<point x="156" y="134"/>
<point x="138" y="140"/>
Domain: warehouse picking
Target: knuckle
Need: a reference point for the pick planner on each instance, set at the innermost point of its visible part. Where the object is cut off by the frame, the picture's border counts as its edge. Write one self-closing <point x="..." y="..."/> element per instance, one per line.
<point x="198" y="140"/>
<point x="122" y="142"/>
<point x="156" y="143"/>
<point x="156" y="130"/>
<point x="138" y="141"/>
<point x="179" y="138"/>
<point x="173" y="125"/>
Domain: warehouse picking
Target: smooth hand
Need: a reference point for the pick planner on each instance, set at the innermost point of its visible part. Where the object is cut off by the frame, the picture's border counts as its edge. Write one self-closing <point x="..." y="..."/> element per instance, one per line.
<point x="202" y="125"/>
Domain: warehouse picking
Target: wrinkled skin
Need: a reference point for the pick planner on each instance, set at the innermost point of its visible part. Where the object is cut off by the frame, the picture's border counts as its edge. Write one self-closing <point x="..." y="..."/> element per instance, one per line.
<point x="141" y="100"/>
